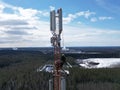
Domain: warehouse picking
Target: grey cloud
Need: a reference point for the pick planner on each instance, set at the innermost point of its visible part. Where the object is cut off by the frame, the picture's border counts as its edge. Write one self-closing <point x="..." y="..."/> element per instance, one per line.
<point x="13" y="22"/>
<point x="20" y="28"/>
<point x="12" y="39"/>
<point x="7" y="41"/>
<point x="23" y="28"/>
<point x="17" y="32"/>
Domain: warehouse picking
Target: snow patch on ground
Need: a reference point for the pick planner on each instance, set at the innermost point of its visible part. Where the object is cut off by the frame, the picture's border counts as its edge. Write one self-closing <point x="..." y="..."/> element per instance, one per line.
<point x="99" y="62"/>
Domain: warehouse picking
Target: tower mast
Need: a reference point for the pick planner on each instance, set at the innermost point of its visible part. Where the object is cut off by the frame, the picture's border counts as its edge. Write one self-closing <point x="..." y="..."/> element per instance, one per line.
<point x="56" y="29"/>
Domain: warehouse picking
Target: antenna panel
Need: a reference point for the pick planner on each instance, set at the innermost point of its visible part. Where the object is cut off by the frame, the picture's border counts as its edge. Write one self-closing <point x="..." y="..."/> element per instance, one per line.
<point x="52" y="21"/>
<point x="60" y="19"/>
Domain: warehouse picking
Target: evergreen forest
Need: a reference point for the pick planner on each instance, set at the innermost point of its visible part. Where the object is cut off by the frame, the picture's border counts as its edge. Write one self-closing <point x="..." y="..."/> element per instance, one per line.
<point x="18" y="71"/>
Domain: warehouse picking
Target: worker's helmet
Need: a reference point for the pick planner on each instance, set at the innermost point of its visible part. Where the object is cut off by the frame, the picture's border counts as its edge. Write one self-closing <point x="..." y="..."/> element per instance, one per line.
<point x="62" y="55"/>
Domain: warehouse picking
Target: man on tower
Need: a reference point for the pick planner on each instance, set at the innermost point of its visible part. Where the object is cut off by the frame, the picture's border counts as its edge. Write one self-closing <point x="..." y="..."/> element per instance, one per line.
<point x="63" y="60"/>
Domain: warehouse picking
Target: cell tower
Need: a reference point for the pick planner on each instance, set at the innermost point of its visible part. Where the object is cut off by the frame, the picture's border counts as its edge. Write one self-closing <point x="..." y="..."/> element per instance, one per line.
<point x="58" y="81"/>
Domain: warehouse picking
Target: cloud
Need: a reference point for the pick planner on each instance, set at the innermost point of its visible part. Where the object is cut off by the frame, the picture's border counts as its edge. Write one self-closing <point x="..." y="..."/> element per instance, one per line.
<point x="79" y="22"/>
<point x="71" y="17"/>
<point x="87" y="14"/>
<point x="26" y="27"/>
<point x="12" y="22"/>
<point x="52" y="8"/>
<point x="91" y="16"/>
<point x="5" y="39"/>
<point x="102" y="18"/>
<point x="1" y="8"/>
<point x="27" y="12"/>
<point x="22" y="26"/>
<point x="105" y="18"/>
<point x="94" y="19"/>
<point x="88" y="36"/>
<point x="15" y="32"/>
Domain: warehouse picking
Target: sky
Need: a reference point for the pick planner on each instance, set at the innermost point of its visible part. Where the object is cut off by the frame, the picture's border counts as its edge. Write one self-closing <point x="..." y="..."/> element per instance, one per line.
<point x="26" y="23"/>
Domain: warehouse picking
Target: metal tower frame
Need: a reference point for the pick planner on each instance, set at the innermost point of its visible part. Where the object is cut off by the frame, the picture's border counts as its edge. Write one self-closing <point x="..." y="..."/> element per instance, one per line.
<point x="56" y="29"/>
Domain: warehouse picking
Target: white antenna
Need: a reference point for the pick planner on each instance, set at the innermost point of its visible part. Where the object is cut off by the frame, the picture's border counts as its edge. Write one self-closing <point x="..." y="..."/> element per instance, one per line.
<point x="52" y="21"/>
<point x="60" y="20"/>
